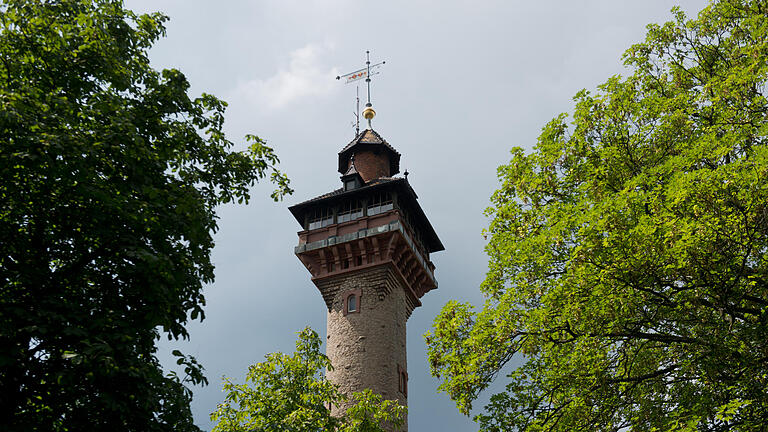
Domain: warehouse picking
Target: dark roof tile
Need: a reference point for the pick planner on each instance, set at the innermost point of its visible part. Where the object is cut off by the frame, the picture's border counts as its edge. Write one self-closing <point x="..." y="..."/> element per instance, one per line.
<point x="340" y="191"/>
<point x="369" y="137"/>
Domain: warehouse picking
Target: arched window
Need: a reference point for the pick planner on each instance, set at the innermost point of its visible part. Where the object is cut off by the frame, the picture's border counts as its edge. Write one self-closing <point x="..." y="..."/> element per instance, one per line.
<point x="352" y="301"/>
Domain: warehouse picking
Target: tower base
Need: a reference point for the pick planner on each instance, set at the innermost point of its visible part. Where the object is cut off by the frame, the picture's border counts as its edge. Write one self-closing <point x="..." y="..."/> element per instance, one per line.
<point x="367" y="345"/>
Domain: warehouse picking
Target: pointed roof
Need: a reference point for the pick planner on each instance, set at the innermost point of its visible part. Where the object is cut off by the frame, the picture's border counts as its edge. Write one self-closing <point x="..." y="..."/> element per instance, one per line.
<point x="352" y="170"/>
<point x="367" y="139"/>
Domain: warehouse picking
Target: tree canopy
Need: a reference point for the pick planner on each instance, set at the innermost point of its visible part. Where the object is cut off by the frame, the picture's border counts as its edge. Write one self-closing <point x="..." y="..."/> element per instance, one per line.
<point x="628" y="253"/>
<point x="289" y="393"/>
<point x="109" y="179"/>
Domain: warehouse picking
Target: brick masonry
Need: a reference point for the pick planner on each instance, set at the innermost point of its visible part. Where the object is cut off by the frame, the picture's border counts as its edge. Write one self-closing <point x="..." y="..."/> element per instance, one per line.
<point x="372" y="165"/>
<point x="367" y="348"/>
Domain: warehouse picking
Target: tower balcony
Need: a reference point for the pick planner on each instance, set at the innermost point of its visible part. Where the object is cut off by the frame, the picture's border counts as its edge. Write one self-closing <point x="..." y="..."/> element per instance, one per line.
<point x="378" y="240"/>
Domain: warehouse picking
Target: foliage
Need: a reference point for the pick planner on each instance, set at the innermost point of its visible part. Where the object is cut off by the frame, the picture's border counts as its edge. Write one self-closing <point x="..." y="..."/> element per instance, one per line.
<point x="109" y="179"/>
<point x="372" y="413"/>
<point x="288" y="393"/>
<point x="628" y="271"/>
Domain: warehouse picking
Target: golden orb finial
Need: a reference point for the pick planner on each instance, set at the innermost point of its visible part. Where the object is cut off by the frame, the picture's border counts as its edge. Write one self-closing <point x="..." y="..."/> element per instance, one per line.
<point x="369" y="113"/>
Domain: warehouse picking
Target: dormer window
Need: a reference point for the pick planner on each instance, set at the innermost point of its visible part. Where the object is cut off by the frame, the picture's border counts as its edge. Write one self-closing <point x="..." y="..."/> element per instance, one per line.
<point x="350" y="184"/>
<point x="351" y="178"/>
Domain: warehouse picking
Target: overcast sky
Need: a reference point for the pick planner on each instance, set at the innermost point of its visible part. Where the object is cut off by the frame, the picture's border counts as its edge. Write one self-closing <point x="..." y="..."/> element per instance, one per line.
<point x="464" y="82"/>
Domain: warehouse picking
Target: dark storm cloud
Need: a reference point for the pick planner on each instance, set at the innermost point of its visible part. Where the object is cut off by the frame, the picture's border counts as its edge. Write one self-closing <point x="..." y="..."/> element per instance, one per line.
<point x="464" y="82"/>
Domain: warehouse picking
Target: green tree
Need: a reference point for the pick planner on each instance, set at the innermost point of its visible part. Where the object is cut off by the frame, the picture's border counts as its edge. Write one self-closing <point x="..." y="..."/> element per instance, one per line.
<point x="289" y="393"/>
<point x="109" y="179"/>
<point x="628" y="271"/>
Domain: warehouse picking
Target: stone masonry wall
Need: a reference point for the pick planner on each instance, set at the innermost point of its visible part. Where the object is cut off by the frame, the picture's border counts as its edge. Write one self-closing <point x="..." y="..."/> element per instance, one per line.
<point x="366" y="347"/>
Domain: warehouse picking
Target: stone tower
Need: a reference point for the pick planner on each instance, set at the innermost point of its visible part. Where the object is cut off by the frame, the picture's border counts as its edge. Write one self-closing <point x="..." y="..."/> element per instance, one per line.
<point x="367" y="248"/>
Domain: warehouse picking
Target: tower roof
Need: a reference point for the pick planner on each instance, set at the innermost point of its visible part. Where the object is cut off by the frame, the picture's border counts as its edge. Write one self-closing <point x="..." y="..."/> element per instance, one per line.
<point x="369" y="139"/>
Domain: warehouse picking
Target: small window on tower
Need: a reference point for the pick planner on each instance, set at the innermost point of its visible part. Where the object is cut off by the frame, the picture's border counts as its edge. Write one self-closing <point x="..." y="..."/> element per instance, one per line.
<point x="402" y="380"/>
<point x="352" y="301"/>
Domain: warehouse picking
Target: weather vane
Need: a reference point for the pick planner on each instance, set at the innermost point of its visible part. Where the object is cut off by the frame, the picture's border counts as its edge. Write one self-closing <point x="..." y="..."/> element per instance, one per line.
<point x="366" y="72"/>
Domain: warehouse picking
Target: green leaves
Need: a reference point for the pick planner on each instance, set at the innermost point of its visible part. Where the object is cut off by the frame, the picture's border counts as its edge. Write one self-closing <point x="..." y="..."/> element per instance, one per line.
<point x="262" y="155"/>
<point x="289" y="393"/>
<point x="628" y="253"/>
<point x="110" y="175"/>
